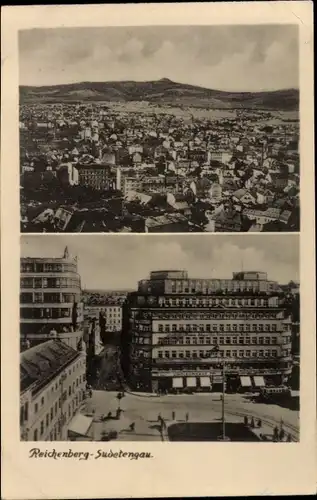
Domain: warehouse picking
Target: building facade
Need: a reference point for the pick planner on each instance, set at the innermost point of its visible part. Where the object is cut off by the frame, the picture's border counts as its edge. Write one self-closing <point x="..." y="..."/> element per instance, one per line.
<point x="179" y="332"/>
<point x="52" y="388"/>
<point x="50" y="300"/>
<point x="96" y="176"/>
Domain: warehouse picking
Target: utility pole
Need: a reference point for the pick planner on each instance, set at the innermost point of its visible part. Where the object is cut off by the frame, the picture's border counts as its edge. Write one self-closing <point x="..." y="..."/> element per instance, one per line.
<point x="223" y="403"/>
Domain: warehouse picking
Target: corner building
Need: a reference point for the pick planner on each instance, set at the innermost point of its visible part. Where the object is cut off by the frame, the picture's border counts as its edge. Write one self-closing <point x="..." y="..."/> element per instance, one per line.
<point x="179" y="331"/>
<point x="50" y="301"/>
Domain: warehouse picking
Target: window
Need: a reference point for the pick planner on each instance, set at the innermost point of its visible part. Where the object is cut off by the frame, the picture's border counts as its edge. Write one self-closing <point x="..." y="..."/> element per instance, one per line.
<point x="35" y="435"/>
<point x="208" y="328"/>
<point x="42" y="427"/>
<point x="52" y="414"/>
<point x="234" y="354"/>
<point x="247" y="340"/>
<point x="194" y="339"/>
<point x="253" y="340"/>
<point x="55" y="408"/>
<point x="167" y="328"/>
<point x="241" y="354"/>
<point x="273" y="328"/>
<point x="266" y="340"/>
<point x="187" y="354"/>
<point x="273" y="340"/>
<point x="201" y="354"/>
<point x="201" y="340"/>
<point x="234" y="340"/>
<point x="42" y="401"/>
<point x="207" y="340"/>
<point x="248" y="353"/>
<point x="167" y="354"/>
<point x="221" y="340"/>
<point x="187" y="340"/>
<point x="36" y="408"/>
<point x="234" y="327"/>
<point x="261" y="353"/>
<point x="228" y="354"/>
<point x="160" y="328"/>
<point x="47" y="420"/>
<point x="181" y="354"/>
<point x="160" y="354"/>
<point x="240" y="340"/>
<point x="174" y="354"/>
<point x="194" y="354"/>
<point x="261" y="340"/>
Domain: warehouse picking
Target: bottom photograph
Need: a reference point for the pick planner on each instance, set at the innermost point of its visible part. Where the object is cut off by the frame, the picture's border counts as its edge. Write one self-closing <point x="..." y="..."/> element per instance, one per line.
<point x="159" y="338"/>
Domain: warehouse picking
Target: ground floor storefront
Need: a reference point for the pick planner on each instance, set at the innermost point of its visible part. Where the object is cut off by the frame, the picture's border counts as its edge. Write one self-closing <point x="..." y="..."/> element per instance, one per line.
<point x="204" y="381"/>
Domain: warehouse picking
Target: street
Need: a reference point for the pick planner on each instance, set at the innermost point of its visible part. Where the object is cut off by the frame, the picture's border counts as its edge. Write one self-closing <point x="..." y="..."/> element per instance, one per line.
<point x="144" y="410"/>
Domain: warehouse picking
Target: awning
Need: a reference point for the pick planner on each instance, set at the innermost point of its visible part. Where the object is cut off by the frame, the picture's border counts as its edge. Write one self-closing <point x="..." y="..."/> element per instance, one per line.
<point x="80" y="425"/>
<point x="177" y="382"/>
<point x="191" y="382"/>
<point x="259" y="381"/>
<point x="205" y="382"/>
<point x="245" y="381"/>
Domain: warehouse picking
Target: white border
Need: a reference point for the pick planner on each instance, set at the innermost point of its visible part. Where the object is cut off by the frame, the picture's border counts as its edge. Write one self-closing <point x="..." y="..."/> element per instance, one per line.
<point x="182" y="469"/>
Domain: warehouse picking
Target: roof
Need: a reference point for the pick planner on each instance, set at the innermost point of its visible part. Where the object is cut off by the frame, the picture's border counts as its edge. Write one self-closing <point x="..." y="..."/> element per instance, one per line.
<point x="43" y="362"/>
<point x="240" y="193"/>
<point x="162" y="220"/>
<point x="80" y="424"/>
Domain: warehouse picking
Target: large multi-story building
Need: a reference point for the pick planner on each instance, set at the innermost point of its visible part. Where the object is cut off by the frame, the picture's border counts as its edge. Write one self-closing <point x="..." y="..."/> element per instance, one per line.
<point x="50" y="300"/>
<point x="178" y="333"/>
<point x="97" y="176"/>
<point x="52" y="388"/>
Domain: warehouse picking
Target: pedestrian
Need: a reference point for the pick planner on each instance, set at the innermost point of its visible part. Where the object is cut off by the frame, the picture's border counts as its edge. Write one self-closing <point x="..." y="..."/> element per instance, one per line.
<point x="259" y="423"/>
<point x="159" y="418"/>
<point x="173" y="415"/>
<point x="252" y="423"/>
<point x="245" y="419"/>
<point x="187" y="417"/>
<point x="132" y="426"/>
<point x="282" y="434"/>
<point x="275" y="434"/>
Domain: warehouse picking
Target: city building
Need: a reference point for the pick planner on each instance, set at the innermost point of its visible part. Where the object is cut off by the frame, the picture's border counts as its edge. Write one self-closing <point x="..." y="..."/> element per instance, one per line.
<point x="113" y="317"/>
<point x="97" y="176"/>
<point x="178" y="332"/>
<point x="50" y="300"/>
<point x="52" y="388"/>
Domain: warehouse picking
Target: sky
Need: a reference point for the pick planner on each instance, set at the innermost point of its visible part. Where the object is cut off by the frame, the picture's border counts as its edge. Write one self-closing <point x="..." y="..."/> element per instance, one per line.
<point x="234" y="58"/>
<point x="120" y="261"/>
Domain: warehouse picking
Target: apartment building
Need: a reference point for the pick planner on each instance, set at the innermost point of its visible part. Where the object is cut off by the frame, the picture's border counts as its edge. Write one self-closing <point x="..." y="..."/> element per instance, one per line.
<point x="50" y="300"/>
<point x="52" y="387"/>
<point x="178" y="332"/>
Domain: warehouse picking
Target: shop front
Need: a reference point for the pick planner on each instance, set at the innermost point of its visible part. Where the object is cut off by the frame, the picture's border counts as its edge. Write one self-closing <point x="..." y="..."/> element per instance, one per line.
<point x="181" y="382"/>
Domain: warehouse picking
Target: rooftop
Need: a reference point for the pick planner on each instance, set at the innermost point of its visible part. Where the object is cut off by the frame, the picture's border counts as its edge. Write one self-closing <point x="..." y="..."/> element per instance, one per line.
<point x="41" y="363"/>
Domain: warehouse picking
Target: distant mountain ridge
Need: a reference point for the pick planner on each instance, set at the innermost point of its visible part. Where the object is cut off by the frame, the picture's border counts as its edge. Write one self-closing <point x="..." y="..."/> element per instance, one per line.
<point x="162" y="91"/>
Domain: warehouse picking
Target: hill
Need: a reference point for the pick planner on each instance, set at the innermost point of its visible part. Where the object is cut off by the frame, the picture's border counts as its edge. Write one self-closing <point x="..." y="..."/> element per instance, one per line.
<point x="162" y="92"/>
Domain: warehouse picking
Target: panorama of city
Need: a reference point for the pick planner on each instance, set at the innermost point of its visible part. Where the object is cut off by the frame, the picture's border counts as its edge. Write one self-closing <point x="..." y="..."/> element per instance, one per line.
<point x="173" y="150"/>
<point x="168" y="357"/>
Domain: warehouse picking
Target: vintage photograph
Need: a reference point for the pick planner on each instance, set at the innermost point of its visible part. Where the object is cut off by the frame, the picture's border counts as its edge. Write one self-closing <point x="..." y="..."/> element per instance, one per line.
<point x="157" y="129"/>
<point x="162" y="338"/>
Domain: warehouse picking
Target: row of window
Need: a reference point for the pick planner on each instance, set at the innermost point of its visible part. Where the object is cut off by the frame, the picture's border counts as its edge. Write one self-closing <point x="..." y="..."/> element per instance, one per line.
<point x="217" y="327"/>
<point x="195" y="315"/>
<point x="37" y="267"/>
<point x="44" y="425"/>
<point x="40" y="313"/>
<point x="218" y="340"/>
<point x="214" y="302"/>
<point x="50" y="283"/>
<point x="40" y="298"/>
<point x="230" y="353"/>
<point x="56" y="386"/>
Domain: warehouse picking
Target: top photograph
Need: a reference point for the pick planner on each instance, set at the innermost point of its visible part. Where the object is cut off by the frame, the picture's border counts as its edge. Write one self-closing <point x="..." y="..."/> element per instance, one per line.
<point x="159" y="129"/>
